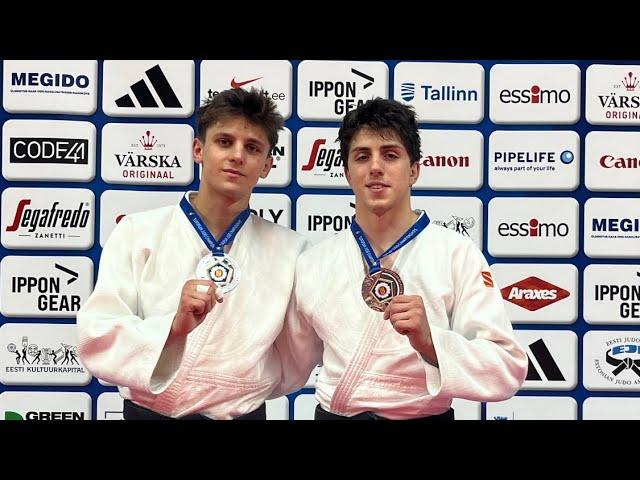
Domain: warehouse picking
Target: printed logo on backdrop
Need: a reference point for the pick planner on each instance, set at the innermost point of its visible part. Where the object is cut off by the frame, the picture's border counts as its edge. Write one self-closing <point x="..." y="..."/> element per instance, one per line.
<point x="147" y="154"/>
<point x="142" y="93"/>
<point x="280" y="174"/>
<point x="437" y="93"/>
<point x="552" y="357"/>
<point x="322" y="160"/>
<point x="148" y="88"/>
<point x="47" y="218"/>
<point x="274" y="207"/>
<point x="273" y="77"/>
<point x="533" y="293"/>
<point x="450" y="160"/>
<point x="330" y="223"/>
<point x="442" y="92"/>
<point x="319" y="160"/>
<point x="247" y="84"/>
<point x="612" y="227"/>
<point x="533" y="93"/>
<point x="548" y="368"/>
<point x="33" y="150"/>
<point x="40" y="354"/>
<point x="612" y="294"/>
<point x="45" y="286"/>
<point x="321" y="216"/>
<point x="50" y="86"/>
<point x="533" y="160"/>
<point x="459" y="214"/>
<point x="623" y="101"/>
<point x="613" y="94"/>
<point x="611" y="161"/>
<point x="539" y="227"/>
<point x="615" y="227"/>
<point x="327" y="90"/>
<point x="45" y="406"/>
<point x="48" y="150"/>
<point x="621" y="365"/>
<point x="627" y="296"/>
<point x="460" y="225"/>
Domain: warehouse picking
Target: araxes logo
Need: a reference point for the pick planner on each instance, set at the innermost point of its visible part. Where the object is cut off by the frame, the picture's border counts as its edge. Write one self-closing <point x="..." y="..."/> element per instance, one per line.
<point x="235" y="84"/>
<point x="533" y="293"/>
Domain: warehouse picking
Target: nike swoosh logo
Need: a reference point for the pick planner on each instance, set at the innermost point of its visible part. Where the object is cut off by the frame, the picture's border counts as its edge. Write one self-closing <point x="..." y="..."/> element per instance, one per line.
<point x="235" y="84"/>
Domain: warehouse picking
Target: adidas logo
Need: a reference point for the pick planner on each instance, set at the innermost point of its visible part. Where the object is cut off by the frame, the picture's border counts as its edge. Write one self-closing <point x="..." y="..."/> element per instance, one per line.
<point x="141" y="91"/>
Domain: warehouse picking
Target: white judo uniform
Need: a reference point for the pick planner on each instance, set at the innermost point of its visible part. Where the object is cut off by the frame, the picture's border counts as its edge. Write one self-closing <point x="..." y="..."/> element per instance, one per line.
<point x="368" y="366"/>
<point x="228" y="365"/>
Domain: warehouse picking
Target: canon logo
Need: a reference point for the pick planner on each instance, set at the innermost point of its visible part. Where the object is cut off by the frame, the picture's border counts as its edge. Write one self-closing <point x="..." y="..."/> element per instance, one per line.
<point x="609" y="161"/>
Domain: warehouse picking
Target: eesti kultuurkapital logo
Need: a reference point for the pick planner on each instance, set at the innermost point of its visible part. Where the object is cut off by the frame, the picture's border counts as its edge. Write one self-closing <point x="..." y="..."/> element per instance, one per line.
<point x="49" y="358"/>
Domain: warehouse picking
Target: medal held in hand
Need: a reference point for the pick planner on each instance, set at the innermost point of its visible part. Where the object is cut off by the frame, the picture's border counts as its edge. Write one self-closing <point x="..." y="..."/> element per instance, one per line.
<point x="378" y="289"/>
<point x="382" y="284"/>
<point x="224" y="271"/>
<point x="218" y="266"/>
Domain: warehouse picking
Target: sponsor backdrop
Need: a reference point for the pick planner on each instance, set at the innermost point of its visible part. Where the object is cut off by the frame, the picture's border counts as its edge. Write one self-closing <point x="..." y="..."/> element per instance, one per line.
<point x="536" y="162"/>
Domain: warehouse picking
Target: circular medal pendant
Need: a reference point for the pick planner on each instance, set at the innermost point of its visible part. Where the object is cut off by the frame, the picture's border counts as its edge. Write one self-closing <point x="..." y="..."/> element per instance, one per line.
<point x="224" y="271"/>
<point x="378" y="289"/>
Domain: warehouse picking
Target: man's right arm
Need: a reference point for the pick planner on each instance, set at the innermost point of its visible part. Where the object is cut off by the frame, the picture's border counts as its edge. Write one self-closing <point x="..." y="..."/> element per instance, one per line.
<point x="114" y="343"/>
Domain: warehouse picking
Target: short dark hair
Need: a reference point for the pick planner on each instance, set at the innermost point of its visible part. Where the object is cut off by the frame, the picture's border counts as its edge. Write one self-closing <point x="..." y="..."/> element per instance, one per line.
<point x="381" y="114"/>
<point x="252" y="104"/>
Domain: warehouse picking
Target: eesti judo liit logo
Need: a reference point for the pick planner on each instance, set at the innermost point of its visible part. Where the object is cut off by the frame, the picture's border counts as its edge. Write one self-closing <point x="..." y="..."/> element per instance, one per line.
<point x="622" y="361"/>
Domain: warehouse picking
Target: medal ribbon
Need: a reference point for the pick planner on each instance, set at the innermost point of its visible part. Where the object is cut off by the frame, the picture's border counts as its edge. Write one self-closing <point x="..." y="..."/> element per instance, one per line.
<point x="365" y="247"/>
<point x="216" y="247"/>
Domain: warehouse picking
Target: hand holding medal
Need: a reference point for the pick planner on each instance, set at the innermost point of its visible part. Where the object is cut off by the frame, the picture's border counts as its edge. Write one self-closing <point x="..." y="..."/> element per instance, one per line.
<point x="409" y="317"/>
<point x="197" y="299"/>
<point x="381" y="285"/>
<point x="218" y="266"/>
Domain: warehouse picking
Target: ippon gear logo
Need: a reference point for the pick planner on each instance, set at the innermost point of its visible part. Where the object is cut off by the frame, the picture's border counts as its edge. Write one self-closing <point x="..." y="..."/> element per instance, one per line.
<point x="533" y="228"/>
<point x="144" y="96"/>
<point x="533" y="293"/>
<point x="535" y="95"/>
<point x="345" y="93"/>
<point x="32" y="218"/>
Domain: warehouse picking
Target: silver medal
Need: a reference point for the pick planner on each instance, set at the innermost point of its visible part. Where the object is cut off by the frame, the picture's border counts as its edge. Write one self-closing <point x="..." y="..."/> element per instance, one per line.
<point x="224" y="271"/>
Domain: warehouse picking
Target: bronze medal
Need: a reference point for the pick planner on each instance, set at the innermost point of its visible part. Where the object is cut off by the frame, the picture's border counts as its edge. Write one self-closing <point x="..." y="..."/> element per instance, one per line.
<point x="379" y="288"/>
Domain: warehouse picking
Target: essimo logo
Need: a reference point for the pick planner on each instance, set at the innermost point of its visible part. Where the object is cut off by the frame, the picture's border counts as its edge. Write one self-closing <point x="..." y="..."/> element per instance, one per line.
<point x="47" y="218"/>
<point x="535" y="95"/>
<point x="533" y="228"/>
